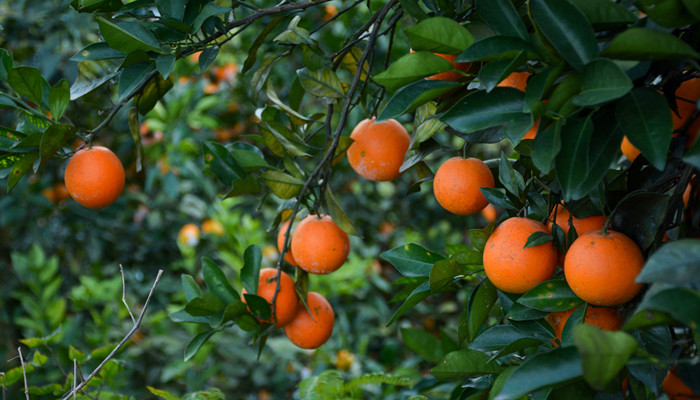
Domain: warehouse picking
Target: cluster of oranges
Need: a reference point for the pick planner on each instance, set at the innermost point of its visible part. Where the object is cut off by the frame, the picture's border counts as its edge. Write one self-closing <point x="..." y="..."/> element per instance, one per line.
<point x="317" y="246"/>
<point x="189" y="234"/>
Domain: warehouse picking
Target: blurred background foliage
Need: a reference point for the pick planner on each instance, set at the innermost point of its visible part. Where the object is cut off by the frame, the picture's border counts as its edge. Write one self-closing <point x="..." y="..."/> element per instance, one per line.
<point x="59" y="262"/>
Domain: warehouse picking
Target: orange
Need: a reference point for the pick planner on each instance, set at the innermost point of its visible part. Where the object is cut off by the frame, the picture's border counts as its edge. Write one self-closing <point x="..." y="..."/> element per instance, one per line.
<point x="601" y="268"/>
<point x="95" y="177"/>
<point x="676" y="389"/>
<point x="532" y="133"/>
<point x="513" y="268"/>
<point x="516" y="80"/>
<point x="288" y="257"/>
<point x="310" y="331"/>
<point x="451" y="75"/>
<point x="687" y="96"/>
<point x="286" y="301"/>
<point x="188" y="235"/>
<point x="582" y="225"/>
<point x="213" y="227"/>
<point x="330" y="11"/>
<point x="605" y="318"/>
<point x="628" y="150"/>
<point x="489" y="213"/>
<point x="378" y="149"/>
<point x="319" y="245"/>
<point x="457" y="182"/>
<point x="344" y="359"/>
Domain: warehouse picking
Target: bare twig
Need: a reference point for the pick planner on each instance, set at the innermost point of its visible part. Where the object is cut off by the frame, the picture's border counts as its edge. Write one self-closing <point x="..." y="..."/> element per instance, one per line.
<point x="121" y="269"/>
<point x="2" y="376"/>
<point x="75" y="374"/>
<point x="24" y="373"/>
<point x="136" y="326"/>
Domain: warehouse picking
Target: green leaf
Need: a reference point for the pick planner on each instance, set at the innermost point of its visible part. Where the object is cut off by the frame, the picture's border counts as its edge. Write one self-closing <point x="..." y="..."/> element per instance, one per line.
<point x="97" y="51"/>
<point x="676" y="263"/>
<point x="322" y="82"/>
<point x="502" y="16"/>
<point x="567" y="29"/>
<point x="478" y="237"/>
<point x="500" y="336"/>
<point x="128" y="36"/>
<point x="511" y="179"/>
<point x="132" y="77"/>
<point x="538" y="238"/>
<point x="639" y="216"/>
<point x="497" y="48"/>
<point x="5" y="64"/>
<point x="439" y="35"/>
<point x="647" y="44"/>
<point x="501" y="108"/>
<point x="294" y="34"/>
<point x="576" y="139"/>
<point x="641" y="116"/>
<point x="603" y="353"/>
<point x="219" y="162"/>
<point x="282" y="185"/>
<point x="21" y="167"/>
<point x="208" y="56"/>
<point x="208" y="304"/>
<point x="209" y="10"/>
<point x="91" y="75"/>
<point x="250" y="273"/>
<point x="217" y="282"/>
<point x="259" y="306"/>
<point x="494" y="72"/>
<point x="536" y="373"/>
<point x="604" y="14"/>
<point x="53" y="139"/>
<point x="693" y="7"/>
<point x="546" y="146"/>
<point x="338" y="215"/>
<point x="59" y="97"/>
<point x="152" y="92"/>
<point x="197" y="342"/>
<point x="417" y="295"/>
<point x="423" y="343"/>
<point x="165" y="64"/>
<point x="480" y="303"/>
<point x="410" y="68"/>
<point x="412" y="260"/>
<point x="667" y="13"/>
<point x="190" y="287"/>
<point x="549" y="296"/>
<point x="667" y="301"/>
<point x="443" y="273"/>
<point x="468" y="256"/>
<point x="413" y="95"/>
<point x="602" y="81"/>
<point x="162" y="393"/>
<point x="28" y="82"/>
<point x="464" y="363"/>
<point x="253" y="50"/>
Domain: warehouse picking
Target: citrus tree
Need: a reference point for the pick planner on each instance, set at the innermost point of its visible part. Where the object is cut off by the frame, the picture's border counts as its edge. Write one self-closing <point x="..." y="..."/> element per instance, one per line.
<point x="587" y="285"/>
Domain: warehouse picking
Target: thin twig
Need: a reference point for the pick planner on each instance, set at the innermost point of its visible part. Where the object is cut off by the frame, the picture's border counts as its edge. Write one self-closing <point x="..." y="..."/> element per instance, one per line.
<point x="2" y="375"/>
<point x="24" y="373"/>
<point x="121" y="269"/>
<point x="120" y="344"/>
<point x="75" y="376"/>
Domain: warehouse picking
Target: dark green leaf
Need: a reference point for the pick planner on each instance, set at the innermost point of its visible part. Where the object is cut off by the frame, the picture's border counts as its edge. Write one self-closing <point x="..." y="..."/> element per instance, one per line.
<point x="250" y="273"/>
<point x="553" y="295"/>
<point x="190" y="287"/>
<point x="412" y="260"/>
<point x="410" y="68"/>
<point x="478" y="237"/>
<point x="498" y="337"/>
<point x="414" y="95"/>
<point x="253" y="50"/>
<point x="21" y="167"/>
<point x="604" y="14"/>
<point x="174" y="9"/>
<point x="546" y="147"/>
<point x="640" y="215"/>
<point x="197" y="342"/>
<point x="497" y="48"/>
<point x="208" y="304"/>
<point x="511" y="179"/>
<point x="439" y="35"/>
<point x="53" y="139"/>
<point x="219" y="162"/>
<point x="132" y="77"/>
<point x="91" y="75"/>
<point x="667" y="301"/>
<point x="423" y="343"/>
<point x="208" y="56"/>
<point x="498" y="197"/>
<point x="165" y="64"/>
<point x="538" y="238"/>
<point x="209" y="10"/>
<point x="502" y="16"/>
<point x="28" y="82"/>
<point x="576" y="138"/>
<point x="468" y="256"/>
<point x="567" y="29"/>
<point x="97" y="51"/>
<point x="127" y="37"/>
<point x="417" y="295"/>
<point x="536" y="373"/>
<point x="480" y="303"/>
<point x="259" y="307"/>
<point x="443" y="273"/>
<point x="667" y="13"/>
<point x="495" y="71"/>
<point x="338" y="215"/>
<point x="676" y="263"/>
<point x="59" y="97"/>
<point x="647" y="44"/>
<point x="5" y="64"/>
<point x="602" y="81"/>
<point x="603" y="353"/>
<point x="217" y="282"/>
<point x="322" y="82"/>
<point x="463" y="363"/>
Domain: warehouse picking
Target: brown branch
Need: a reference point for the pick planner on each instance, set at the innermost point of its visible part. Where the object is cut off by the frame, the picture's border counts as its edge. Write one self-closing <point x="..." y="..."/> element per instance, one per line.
<point x="24" y="372"/>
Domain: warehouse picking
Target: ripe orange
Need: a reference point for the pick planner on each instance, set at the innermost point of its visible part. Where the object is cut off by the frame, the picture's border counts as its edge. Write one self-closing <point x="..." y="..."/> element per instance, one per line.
<point x="310" y="331"/>
<point x="676" y="389"/>
<point x="344" y="359"/>
<point x="95" y="177"/>
<point x="213" y="227"/>
<point x="582" y="225"/>
<point x="513" y="268"/>
<point x="687" y="96"/>
<point x="532" y="133"/>
<point x="188" y="235"/>
<point x="451" y="75"/>
<point x="286" y="301"/>
<point x="288" y="257"/>
<point x="628" y="150"/>
<point x="605" y="318"/>
<point x="378" y="149"/>
<point x="457" y="182"/>
<point x="489" y="213"/>
<point x="319" y="245"/>
<point x="516" y="80"/>
<point x="601" y="267"/>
